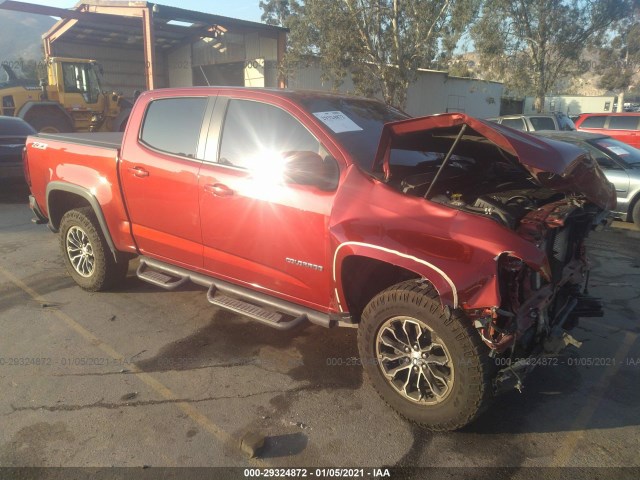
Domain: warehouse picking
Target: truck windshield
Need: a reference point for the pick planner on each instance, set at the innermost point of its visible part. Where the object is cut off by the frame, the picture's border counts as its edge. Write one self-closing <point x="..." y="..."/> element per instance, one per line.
<point x="629" y="154"/>
<point x="81" y="78"/>
<point x="355" y="123"/>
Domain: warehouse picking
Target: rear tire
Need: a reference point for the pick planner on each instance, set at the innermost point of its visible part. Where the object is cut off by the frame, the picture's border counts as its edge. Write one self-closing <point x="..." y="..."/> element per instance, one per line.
<point x="50" y="122"/>
<point x="86" y="254"/>
<point x="635" y="213"/>
<point x="427" y="363"/>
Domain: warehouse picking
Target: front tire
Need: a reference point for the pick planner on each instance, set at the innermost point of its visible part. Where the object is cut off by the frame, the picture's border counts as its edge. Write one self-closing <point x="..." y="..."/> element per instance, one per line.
<point x="86" y="254"/>
<point x="427" y="363"/>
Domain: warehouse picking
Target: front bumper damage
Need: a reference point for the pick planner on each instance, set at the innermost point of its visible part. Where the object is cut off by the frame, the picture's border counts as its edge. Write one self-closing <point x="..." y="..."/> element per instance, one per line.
<point x="540" y="306"/>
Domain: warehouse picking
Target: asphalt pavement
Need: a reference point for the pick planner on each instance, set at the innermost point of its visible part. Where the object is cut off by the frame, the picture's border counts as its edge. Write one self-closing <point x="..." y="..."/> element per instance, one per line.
<point x="140" y="377"/>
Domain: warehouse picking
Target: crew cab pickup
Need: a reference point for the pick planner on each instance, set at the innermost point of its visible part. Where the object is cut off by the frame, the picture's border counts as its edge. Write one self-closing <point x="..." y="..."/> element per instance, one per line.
<point x="454" y="245"/>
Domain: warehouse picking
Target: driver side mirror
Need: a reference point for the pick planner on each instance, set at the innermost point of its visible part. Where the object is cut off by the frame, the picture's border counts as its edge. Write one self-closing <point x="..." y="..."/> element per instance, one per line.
<point x="309" y="168"/>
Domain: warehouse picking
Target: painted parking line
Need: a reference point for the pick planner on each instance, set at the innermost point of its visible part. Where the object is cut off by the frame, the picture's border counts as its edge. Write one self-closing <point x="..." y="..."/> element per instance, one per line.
<point x="144" y="377"/>
<point x="565" y="452"/>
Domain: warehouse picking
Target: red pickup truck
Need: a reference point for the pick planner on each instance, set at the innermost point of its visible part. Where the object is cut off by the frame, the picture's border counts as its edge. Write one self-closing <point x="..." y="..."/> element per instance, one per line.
<point x="454" y="245"/>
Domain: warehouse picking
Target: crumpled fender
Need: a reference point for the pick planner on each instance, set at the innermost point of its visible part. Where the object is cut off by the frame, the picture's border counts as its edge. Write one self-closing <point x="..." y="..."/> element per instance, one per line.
<point x="457" y="252"/>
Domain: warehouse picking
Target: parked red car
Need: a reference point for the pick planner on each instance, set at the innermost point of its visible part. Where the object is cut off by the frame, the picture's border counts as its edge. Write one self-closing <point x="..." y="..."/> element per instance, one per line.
<point x="454" y="245"/>
<point x="621" y="126"/>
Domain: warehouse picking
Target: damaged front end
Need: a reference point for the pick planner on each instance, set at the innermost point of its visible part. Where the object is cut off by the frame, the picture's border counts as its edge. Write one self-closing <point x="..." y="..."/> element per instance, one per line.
<point x="540" y="306"/>
<point x="549" y="194"/>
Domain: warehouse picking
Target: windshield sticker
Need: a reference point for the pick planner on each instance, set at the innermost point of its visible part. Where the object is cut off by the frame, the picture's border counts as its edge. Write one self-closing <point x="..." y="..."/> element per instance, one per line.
<point x="618" y="150"/>
<point x="337" y="121"/>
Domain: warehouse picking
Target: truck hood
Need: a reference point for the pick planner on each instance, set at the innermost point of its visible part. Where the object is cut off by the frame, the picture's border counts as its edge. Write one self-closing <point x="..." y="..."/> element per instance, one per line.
<point x="553" y="164"/>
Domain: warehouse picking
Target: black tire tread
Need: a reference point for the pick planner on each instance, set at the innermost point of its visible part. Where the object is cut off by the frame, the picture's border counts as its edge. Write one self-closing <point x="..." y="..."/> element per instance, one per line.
<point x="635" y="213"/>
<point x="108" y="272"/>
<point x="53" y="119"/>
<point x="423" y="295"/>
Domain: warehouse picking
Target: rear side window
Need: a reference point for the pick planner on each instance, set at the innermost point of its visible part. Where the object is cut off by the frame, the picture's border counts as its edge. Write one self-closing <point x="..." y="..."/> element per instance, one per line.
<point x="543" y="123"/>
<point x="517" y="123"/>
<point x="594" y="122"/>
<point x="172" y="125"/>
<point x="623" y="123"/>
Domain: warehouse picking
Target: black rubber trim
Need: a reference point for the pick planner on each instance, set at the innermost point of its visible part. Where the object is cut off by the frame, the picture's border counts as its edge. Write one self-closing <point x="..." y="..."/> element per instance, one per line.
<point x="40" y="218"/>
<point x="93" y="201"/>
<point x="109" y="140"/>
<point x="285" y="325"/>
<point x="141" y="271"/>
<point x="282" y="306"/>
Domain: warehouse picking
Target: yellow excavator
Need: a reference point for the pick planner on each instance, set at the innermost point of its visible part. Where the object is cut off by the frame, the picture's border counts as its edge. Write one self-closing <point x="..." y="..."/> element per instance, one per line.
<point x="68" y="98"/>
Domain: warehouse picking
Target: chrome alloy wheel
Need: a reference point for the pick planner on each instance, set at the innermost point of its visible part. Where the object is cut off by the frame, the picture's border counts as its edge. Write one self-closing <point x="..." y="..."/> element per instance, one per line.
<point x="80" y="252"/>
<point x="414" y="361"/>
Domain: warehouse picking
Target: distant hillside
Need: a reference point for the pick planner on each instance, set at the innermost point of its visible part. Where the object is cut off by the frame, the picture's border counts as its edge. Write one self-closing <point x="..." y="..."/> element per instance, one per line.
<point x="21" y="35"/>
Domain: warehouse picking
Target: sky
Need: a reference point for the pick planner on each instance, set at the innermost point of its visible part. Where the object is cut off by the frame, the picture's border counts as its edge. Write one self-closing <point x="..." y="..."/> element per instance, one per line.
<point x="242" y="9"/>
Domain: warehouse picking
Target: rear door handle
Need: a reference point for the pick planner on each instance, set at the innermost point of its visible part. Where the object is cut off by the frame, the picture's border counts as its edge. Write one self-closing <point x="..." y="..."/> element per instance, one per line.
<point x="138" y="172"/>
<point x="218" y="189"/>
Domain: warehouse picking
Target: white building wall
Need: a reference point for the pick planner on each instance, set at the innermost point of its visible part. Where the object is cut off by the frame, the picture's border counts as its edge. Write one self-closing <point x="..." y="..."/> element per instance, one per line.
<point x="241" y="50"/>
<point x="310" y="78"/>
<point x="437" y="92"/>
<point x="572" y="104"/>
<point x="179" y="67"/>
<point x="432" y="92"/>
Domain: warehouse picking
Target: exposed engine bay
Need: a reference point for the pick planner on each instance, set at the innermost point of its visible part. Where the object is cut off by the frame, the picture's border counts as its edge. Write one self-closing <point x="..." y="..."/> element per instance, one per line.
<point x="477" y="177"/>
<point x="463" y="170"/>
<point x="505" y="202"/>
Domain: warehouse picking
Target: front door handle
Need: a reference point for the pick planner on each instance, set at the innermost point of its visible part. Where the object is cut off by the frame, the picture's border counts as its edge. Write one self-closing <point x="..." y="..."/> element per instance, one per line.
<point x="218" y="189"/>
<point x="138" y="172"/>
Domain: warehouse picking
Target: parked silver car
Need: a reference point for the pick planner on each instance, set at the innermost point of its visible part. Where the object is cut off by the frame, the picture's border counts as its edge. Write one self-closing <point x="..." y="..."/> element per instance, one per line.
<point x="536" y="122"/>
<point x="620" y="163"/>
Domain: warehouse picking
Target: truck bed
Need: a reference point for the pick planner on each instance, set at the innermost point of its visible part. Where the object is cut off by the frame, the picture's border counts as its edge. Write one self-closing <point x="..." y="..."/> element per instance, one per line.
<point x="98" y="139"/>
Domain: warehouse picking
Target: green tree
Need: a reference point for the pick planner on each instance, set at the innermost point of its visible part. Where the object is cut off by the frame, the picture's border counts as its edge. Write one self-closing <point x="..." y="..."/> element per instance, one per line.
<point x="381" y="43"/>
<point x="275" y="12"/>
<point x="533" y="44"/>
<point x="619" y="61"/>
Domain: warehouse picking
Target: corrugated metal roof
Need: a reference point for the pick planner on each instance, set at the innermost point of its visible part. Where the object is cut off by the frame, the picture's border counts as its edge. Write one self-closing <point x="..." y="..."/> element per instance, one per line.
<point x="118" y="23"/>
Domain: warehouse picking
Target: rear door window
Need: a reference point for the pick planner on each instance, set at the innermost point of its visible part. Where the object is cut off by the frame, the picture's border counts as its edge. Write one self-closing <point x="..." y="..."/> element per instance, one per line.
<point x="594" y="122"/>
<point x="517" y="123"/>
<point x="623" y="123"/>
<point x="172" y="125"/>
<point x="543" y="123"/>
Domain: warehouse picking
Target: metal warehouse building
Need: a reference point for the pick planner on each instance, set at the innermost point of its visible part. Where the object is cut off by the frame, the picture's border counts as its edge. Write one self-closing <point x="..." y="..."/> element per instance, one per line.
<point x="143" y="45"/>
<point x="432" y="92"/>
